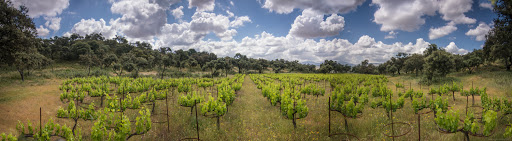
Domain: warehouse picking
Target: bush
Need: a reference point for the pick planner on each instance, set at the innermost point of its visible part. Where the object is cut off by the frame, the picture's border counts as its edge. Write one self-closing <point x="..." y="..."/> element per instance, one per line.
<point x="438" y="80"/>
<point x="72" y="73"/>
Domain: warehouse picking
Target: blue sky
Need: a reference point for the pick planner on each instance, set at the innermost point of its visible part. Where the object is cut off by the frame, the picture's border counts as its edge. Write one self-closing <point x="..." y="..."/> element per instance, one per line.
<point x="347" y="31"/>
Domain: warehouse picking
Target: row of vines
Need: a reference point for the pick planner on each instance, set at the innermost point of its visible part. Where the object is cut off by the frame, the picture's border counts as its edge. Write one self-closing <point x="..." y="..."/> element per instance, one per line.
<point x="121" y="108"/>
<point x="350" y="94"/>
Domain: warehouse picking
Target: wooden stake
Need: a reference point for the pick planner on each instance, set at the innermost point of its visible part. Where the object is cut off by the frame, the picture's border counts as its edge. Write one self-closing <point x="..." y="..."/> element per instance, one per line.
<point x="167" y="110"/>
<point x="419" y="129"/>
<point x="197" y="123"/>
<point x="40" y="122"/>
<point x="329" y="116"/>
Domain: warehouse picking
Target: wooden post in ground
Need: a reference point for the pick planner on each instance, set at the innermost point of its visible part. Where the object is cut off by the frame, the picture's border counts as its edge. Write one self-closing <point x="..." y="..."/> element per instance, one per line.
<point x="419" y="129"/>
<point x="40" y="122"/>
<point x="392" y="128"/>
<point x="329" y="116"/>
<point x="197" y="123"/>
<point x="167" y="111"/>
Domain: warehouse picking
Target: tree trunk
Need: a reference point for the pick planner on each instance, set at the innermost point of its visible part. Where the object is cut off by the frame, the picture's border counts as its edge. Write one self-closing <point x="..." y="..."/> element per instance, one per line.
<point x="163" y="70"/>
<point x="294" y="123"/>
<point x="21" y="74"/>
<point x="453" y="94"/>
<point x="89" y="69"/>
<point x="101" y="105"/>
<point x="508" y="63"/>
<point x="153" y="110"/>
<point x="466" y="136"/>
<point x="346" y="124"/>
<point x="473" y="97"/>
<point x="218" y="122"/>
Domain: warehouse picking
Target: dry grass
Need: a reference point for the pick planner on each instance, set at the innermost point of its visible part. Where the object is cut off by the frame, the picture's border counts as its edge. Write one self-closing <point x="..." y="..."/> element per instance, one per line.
<point x="22" y="102"/>
<point x="251" y="117"/>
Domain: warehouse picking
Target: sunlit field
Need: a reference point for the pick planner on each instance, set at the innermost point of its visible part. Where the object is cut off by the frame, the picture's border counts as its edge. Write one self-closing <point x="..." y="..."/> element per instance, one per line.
<point x="254" y="112"/>
<point x="270" y="70"/>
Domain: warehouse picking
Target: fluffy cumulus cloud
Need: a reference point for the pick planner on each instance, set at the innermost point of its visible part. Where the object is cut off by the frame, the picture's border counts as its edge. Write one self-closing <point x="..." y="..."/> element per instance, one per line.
<point x="323" y="6"/>
<point x="479" y="32"/>
<point x="452" y="48"/>
<point x="453" y="10"/>
<point x="41" y="31"/>
<point x="141" y="18"/>
<point x="202" y="23"/>
<point x="311" y="24"/>
<point x="409" y="15"/>
<point x="49" y="9"/>
<point x="268" y="46"/>
<point x="178" y="35"/>
<point x="404" y="15"/>
<point x="178" y="12"/>
<point x="93" y="26"/>
<point x="52" y="23"/>
<point x="38" y="8"/>
<point x="435" y="33"/>
<point x="239" y="21"/>
<point x="202" y="5"/>
<point x="486" y="5"/>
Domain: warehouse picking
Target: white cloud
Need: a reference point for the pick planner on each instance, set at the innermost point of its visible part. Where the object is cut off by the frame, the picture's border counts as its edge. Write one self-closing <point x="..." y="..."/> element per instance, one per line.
<point x="323" y="6"/>
<point x="52" y="23"/>
<point x="391" y="35"/>
<point x="202" y="5"/>
<point x="435" y="33"/>
<point x="230" y="14"/>
<point x="178" y="12"/>
<point x="453" y="10"/>
<point x="203" y="22"/>
<point x="406" y="15"/>
<point x="38" y="8"/>
<point x="227" y="35"/>
<point x="239" y="21"/>
<point x="311" y="24"/>
<point x="92" y="26"/>
<point x="178" y="34"/>
<point x="268" y="46"/>
<point x="409" y="15"/>
<point x="140" y="18"/>
<point x="231" y="2"/>
<point x="365" y="41"/>
<point x="479" y="32"/>
<point x="452" y="48"/>
<point x="42" y="32"/>
<point x="486" y="5"/>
